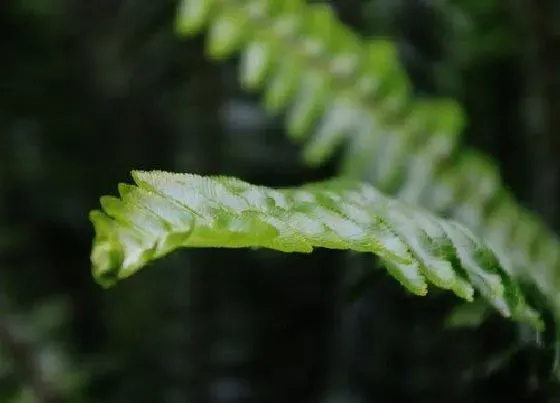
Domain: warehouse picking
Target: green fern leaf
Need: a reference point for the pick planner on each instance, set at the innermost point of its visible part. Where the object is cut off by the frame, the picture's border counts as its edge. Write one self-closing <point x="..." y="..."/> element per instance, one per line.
<point x="166" y="211"/>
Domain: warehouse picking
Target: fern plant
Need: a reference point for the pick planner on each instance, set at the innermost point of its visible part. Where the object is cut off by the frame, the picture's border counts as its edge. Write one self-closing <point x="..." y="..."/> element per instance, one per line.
<point x="338" y="88"/>
<point x="166" y="211"/>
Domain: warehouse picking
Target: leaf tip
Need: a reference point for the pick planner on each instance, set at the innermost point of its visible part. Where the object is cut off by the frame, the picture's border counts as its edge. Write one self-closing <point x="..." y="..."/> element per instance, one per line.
<point x="124" y="189"/>
<point x="106" y="259"/>
<point x="106" y="254"/>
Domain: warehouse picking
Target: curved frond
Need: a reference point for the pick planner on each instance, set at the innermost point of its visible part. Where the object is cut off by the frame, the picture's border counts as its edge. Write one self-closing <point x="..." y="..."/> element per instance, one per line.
<point x="166" y="211"/>
<point x="338" y="88"/>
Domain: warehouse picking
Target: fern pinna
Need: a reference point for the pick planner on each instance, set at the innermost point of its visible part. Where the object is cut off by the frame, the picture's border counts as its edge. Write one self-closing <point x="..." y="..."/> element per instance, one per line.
<point x="166" y="211"/>
<point x="338" y="88"/>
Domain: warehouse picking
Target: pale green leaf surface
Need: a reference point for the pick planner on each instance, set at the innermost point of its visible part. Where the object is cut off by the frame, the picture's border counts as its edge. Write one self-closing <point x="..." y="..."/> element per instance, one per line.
<point x="165" y="211"/>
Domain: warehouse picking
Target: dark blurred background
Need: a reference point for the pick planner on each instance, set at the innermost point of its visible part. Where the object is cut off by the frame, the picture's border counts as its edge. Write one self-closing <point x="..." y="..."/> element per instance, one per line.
<point x="90" y="89"/>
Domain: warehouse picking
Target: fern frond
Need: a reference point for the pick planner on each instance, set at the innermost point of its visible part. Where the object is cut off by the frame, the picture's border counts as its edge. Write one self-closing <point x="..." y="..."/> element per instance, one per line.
<point x="339" y="88"/>
<point x="327" y="77"/>
<point x="166" y="211"/>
